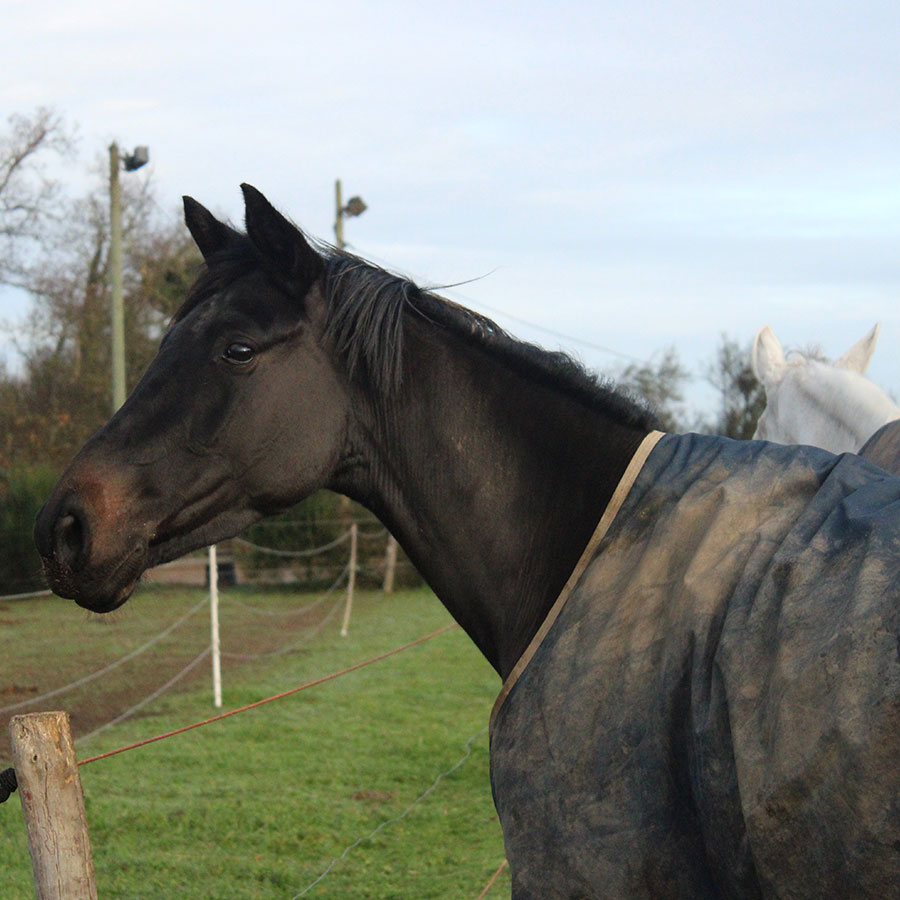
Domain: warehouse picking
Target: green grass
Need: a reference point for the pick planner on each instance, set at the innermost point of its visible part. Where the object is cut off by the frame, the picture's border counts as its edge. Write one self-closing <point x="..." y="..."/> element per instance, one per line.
<point x="258" y="805"/>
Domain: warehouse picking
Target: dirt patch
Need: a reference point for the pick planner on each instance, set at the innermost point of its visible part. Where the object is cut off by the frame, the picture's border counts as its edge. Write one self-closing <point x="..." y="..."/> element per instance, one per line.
<point x="374" y="796"/>
<point x="18" y="691"/>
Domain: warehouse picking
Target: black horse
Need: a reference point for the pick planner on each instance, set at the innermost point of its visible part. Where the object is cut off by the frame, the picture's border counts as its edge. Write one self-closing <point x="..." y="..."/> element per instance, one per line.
<point x="684" y="721"/>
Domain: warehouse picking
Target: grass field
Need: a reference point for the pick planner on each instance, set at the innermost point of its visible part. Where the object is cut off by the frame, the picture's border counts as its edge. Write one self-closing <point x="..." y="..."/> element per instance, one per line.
<point x="260" y="804"/>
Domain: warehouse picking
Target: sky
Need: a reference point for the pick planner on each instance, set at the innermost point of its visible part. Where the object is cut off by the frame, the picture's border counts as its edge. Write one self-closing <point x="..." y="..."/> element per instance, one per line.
<point x="610" y="178"/>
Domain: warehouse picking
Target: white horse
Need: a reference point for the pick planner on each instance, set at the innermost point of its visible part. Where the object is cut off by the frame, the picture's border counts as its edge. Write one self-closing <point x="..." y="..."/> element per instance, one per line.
<point x="819" y="402"/>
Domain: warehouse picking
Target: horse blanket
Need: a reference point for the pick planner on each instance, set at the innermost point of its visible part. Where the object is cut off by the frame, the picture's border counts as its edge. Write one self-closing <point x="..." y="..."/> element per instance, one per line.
<point x="713" y="707"/>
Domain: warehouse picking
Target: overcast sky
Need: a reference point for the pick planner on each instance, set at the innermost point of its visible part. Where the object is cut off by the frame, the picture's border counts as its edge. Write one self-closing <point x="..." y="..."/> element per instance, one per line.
<point x="631" y="175"/>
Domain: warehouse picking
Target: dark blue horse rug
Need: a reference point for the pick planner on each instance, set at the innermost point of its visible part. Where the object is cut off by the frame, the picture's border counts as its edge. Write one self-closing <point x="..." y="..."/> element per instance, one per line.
<point x="713" y="708"/>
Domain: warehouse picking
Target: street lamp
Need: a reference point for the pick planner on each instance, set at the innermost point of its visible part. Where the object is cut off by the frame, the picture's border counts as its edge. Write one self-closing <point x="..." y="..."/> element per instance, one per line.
<point x="130" y="163"/>
<point x="355" y="207"/>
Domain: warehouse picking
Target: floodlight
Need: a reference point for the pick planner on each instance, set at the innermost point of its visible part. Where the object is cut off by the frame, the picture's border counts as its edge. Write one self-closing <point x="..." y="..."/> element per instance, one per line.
<point x="355" y="206"/>
<point x="140" y="157"/>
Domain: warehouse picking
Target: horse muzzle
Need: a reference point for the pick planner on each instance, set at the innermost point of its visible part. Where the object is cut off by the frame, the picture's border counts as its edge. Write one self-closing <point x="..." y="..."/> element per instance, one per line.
<point x="89" y="550"/>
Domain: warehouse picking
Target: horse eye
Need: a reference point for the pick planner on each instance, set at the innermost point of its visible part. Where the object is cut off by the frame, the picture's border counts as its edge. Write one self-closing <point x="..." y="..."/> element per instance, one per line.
<point x="239" y="354"/>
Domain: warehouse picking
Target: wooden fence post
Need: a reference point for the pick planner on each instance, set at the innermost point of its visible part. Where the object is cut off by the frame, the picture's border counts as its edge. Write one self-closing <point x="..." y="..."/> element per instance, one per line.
<point x="53" y="806"/>
<point x="351" y="581"/>
<point x="390" y="564"/>
<point x="214" y="626"/>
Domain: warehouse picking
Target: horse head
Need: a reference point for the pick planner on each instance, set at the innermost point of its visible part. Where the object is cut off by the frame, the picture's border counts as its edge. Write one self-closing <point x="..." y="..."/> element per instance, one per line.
<point x="241" y="414"/>
<point x="815" y="401"/>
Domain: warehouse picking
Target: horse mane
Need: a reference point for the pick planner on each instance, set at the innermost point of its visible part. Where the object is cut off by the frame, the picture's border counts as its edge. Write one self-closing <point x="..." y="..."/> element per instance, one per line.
<point x="366" y="306"/>
<point x="812" y="354"/>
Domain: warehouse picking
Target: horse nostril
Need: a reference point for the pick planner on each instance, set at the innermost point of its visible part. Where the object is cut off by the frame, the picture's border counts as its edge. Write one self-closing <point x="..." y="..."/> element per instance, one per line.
<point x="70" y="541"/>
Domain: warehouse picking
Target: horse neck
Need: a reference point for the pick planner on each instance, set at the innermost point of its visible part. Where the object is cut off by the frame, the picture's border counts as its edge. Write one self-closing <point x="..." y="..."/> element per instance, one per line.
<point x="490" y="480"/>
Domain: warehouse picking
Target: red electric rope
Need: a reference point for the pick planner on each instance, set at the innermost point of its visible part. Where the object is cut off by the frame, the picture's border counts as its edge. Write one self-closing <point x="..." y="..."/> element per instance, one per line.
<point x="490" y="884"/>
<point x="302" y="687"/>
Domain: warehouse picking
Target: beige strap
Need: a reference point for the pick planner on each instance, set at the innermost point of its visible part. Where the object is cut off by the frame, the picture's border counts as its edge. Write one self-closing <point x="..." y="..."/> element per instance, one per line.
<point x="611" y="511"/>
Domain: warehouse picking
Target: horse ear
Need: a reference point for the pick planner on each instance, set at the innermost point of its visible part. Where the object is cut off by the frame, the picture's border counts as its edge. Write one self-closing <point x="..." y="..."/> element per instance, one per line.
<point x="858" y="356"/>
<point x="767" y="357"/>
<point x="208" y="232"/>
<point x="280" y="241"/>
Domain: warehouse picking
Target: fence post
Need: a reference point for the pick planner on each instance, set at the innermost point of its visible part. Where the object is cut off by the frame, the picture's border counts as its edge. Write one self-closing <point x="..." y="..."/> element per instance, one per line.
<point x="214" y="626"/>
<point x="390" y="564"/>
<point x="53" y="806"/>
<point x="351" y="581"/>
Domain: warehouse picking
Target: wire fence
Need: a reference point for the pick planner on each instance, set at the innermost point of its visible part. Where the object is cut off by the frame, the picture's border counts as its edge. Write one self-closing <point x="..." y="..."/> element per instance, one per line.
<point x="251" y="562"/>
<point x="305" y="638"/>
<point x="386" y="824"/>
<point x="309" y="632"/>
<point x="294" y="554"/>
<point x="346" y="671"/>
<point x="286" y="553"/>
<point x="149" y="698"/>
<point x="28" y="595"/>
<point x="285" y="617"/>
<point x="279" y="696"/>
<point x="86" y="679"/>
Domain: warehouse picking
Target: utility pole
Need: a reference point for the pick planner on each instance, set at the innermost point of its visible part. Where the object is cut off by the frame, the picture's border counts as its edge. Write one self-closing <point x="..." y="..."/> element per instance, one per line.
<point x="116" y="304"/>
<point x="338" y="215"/>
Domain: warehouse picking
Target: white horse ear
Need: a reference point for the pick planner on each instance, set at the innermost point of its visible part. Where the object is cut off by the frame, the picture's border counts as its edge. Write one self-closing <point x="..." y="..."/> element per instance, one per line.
<point x="768" y="357"/>
<point x="857" y="357"/>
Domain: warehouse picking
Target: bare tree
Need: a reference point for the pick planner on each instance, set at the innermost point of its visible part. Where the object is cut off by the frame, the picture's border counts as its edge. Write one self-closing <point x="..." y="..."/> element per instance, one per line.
<point x="60" y="392"/>
<point x="660" y="382"/>
<point x="742" y="397"/>
<point x="27" y="192"/>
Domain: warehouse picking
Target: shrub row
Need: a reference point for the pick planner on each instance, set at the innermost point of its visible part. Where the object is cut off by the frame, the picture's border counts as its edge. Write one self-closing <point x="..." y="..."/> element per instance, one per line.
<point x="22" y="493"/>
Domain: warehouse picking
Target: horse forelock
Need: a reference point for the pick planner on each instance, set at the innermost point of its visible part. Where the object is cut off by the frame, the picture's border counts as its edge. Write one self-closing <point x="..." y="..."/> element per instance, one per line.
<point x="795" y="357"/>
<point x="219" y="272"/>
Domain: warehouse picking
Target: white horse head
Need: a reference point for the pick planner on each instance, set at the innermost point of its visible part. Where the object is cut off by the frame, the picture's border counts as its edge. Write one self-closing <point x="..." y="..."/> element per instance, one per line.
<point x="811" y="401"/>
